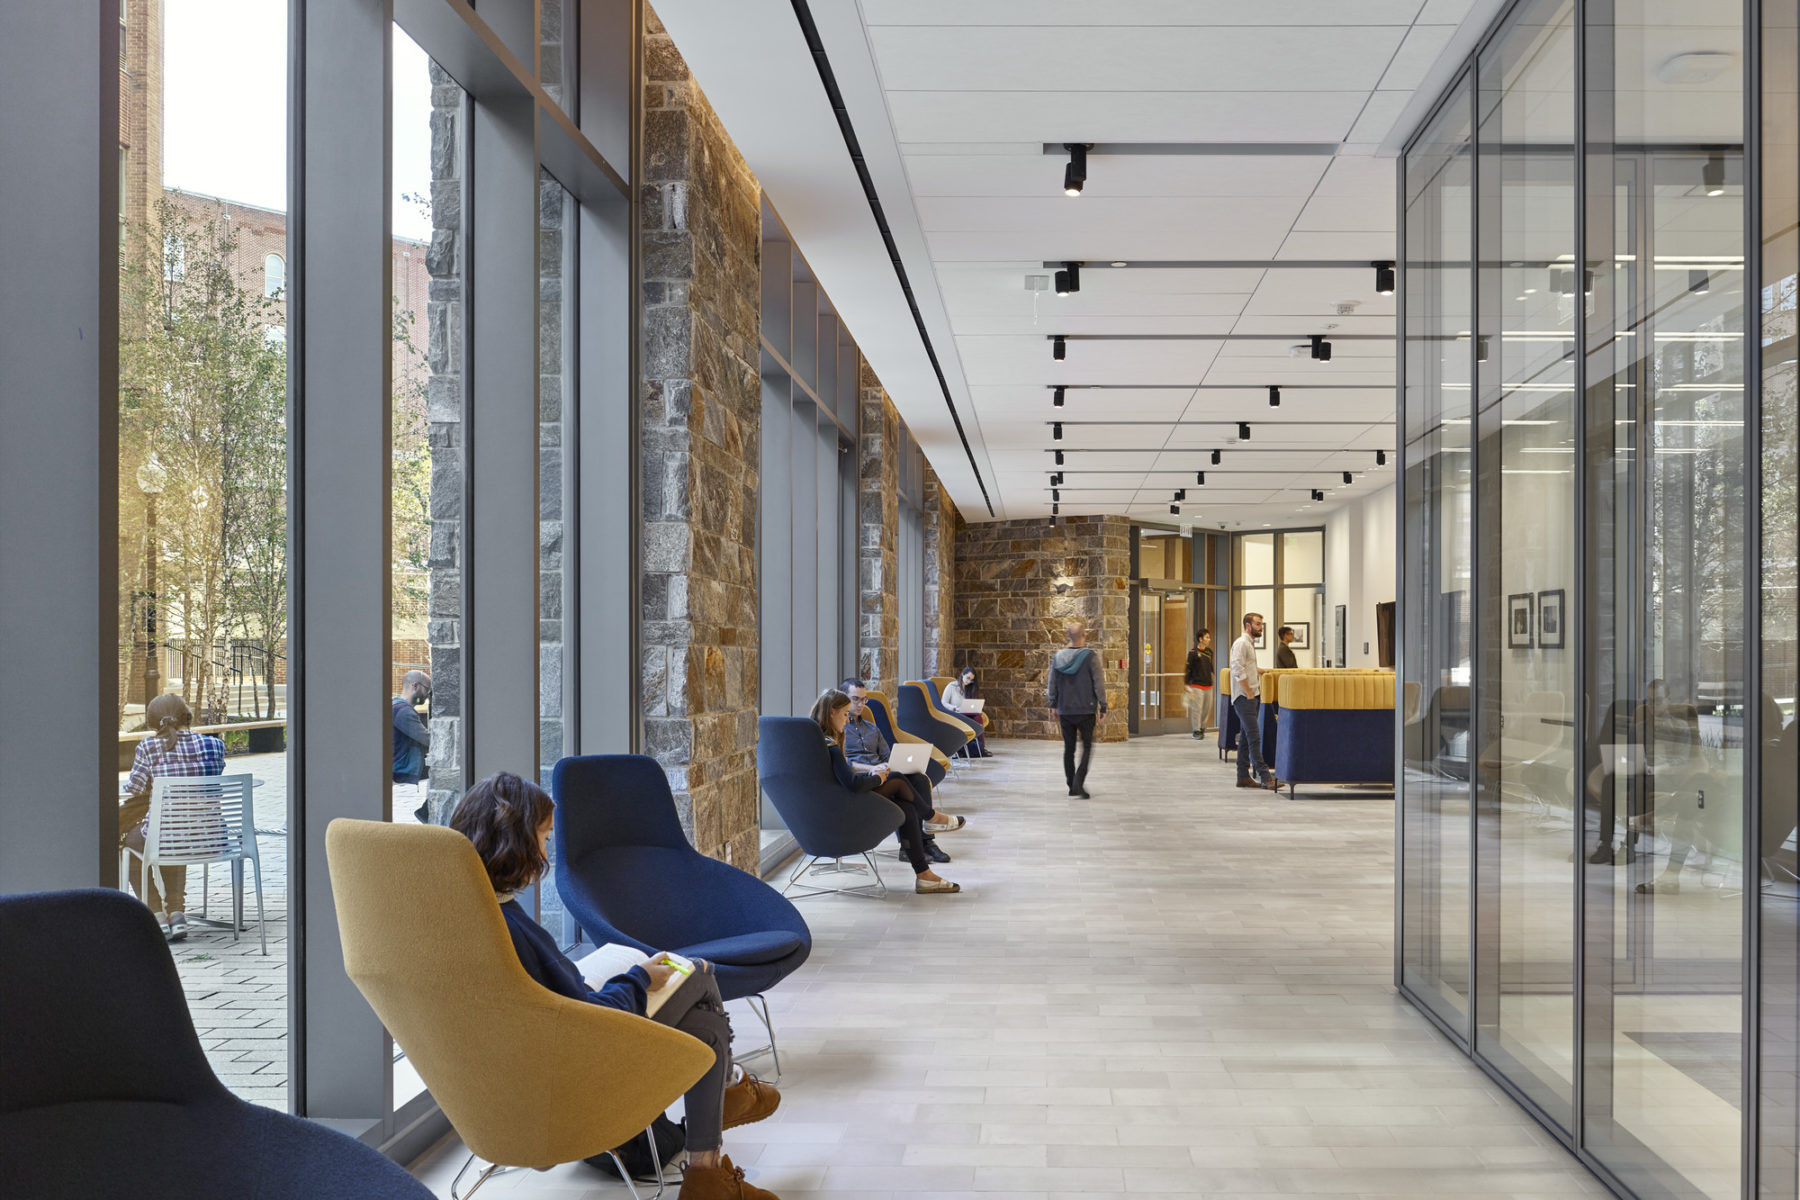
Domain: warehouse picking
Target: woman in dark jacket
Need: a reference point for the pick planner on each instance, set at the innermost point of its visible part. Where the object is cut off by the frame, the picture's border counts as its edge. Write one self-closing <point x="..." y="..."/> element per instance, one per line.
<point x="509" y="821"/>
<point x="832" y="712"/>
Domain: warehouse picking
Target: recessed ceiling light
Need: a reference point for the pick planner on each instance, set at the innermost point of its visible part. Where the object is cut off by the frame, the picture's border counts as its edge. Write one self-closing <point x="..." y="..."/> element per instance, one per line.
<point x="1695" y="66"/>
<point x="1121" y="263"/>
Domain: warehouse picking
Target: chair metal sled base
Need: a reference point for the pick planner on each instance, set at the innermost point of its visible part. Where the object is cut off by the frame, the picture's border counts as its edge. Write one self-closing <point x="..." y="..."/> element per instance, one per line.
<point x="496" y="1168"/>
<point x="836" y="866"/>
<point x="759" y="1008"/>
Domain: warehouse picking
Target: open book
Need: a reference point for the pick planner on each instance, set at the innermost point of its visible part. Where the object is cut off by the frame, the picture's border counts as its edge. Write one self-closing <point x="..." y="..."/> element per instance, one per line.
<point x="613" y="959"/>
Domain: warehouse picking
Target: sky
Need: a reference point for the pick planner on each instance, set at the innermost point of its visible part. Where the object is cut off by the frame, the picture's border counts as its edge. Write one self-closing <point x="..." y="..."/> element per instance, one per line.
<point x="225" y="107"/>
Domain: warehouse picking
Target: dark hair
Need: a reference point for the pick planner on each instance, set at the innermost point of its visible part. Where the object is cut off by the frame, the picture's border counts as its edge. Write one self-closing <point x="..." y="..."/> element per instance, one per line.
<point x="829" y="701"/>
<point x="1282" y="630"/>
<point x="974" y="689"/>
<point x="502" y="815"/>
<point x="166" y="716"/>
<point x="847" y="684"/>
<point x="1249" y="617"/>
<point x="1201" y="634"/>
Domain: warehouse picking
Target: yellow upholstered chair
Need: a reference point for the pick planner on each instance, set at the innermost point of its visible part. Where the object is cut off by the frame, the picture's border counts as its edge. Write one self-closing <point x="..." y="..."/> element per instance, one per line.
<point x="940" y="682"/>
<point x="527" y="1077"/>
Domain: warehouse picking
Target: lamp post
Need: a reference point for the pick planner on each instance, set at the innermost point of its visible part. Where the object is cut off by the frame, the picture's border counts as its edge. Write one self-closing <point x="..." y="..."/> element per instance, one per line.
<point x="151" y="478"/>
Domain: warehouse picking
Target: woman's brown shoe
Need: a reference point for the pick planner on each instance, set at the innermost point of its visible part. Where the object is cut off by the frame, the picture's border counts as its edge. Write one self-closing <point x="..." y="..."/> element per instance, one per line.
<point x="723" y="1182"/>
<point x="749" y="1100"/>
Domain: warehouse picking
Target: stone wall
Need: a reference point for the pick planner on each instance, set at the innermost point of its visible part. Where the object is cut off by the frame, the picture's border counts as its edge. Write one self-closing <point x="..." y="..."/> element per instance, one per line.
<point x="877" y="536"/>
<point x="702" y="229"/>
<point x="1018" y="583"/>
<point x="940" y="577"/>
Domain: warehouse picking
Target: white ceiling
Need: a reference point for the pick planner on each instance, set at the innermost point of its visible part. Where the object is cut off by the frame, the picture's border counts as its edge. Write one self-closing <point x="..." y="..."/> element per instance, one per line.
<point x="953" y="102"/>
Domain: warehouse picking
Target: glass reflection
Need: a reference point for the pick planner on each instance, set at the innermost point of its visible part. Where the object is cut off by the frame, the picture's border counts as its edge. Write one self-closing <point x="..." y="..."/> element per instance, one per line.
<point x="1435" y="666"/>
<point x="1526" y="423"/>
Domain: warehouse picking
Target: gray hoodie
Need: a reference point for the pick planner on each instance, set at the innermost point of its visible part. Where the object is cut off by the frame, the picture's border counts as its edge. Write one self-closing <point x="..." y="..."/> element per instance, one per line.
<point x="1076" y="687"/>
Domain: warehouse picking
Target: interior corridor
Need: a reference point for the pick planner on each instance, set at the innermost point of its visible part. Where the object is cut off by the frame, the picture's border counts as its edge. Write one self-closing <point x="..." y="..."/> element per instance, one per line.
<point x="1174" y="987"/>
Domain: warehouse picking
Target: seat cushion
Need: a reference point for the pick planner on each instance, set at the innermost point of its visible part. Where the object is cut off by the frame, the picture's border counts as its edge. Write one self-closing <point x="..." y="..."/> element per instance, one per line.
<point x="746" y="949"/>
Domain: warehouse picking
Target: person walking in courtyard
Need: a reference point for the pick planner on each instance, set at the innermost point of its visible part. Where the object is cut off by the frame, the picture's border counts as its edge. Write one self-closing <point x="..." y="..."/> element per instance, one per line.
<point x="1078" y="701"/>
<point x="1200" y="684"/>
<point x="1246" y="698"/>
<point x="412" y="742"/>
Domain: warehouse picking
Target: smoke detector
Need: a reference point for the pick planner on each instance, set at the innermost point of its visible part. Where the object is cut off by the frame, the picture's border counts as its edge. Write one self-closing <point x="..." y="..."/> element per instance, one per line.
<point x="1037" y="283"/>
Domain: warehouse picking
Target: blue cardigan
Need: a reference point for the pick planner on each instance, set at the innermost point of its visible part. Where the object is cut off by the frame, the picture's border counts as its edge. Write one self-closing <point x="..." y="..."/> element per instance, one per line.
<point x="544" y="962"/>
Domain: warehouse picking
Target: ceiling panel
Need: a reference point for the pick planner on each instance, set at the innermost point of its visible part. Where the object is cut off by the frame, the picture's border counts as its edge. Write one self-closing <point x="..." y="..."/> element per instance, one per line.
<point x="1146" y="116"/>
<point x="1114" y="58"/>
<point x="1031" y="172"/>
<point x="1143" y="12"/>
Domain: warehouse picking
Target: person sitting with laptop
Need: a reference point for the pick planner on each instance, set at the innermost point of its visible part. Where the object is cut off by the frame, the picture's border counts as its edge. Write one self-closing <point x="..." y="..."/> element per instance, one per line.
<point x="832" y="713"/>
<point x="865" y="747"/>
<point x="963" y="698"/>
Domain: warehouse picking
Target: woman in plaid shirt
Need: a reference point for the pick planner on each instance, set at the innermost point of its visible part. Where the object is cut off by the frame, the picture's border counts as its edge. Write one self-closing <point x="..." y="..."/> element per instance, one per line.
<point x="172" y="749"/>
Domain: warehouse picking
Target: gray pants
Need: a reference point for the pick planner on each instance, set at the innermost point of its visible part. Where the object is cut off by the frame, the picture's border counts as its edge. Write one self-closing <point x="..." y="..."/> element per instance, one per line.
<point x="1249" y="747"/>
<point x="697" y="1009"/>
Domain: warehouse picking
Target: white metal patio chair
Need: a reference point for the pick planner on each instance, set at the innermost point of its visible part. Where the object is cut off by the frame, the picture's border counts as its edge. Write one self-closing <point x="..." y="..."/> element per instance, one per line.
<point x="197" y="820"/>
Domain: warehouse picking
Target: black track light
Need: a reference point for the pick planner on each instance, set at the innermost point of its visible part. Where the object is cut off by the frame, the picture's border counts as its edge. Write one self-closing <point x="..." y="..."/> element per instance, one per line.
<point x="1059" y="458"/>
<point x="1073" y="271"/>
<point x="1055" y="510"/>
<point x="1712" y="175"/>
<point x="1346" y="479"/>
<point x="1217" y="457"/>
<point x="1699" y="282"/>
<point x="1381" y="458"/>
<point x="1075" y="174"/>
<point x="1055" y="495"/>
<point x="1200" y="478"/>
<point x="1384" y="278"/>
<point x="1056" y="431"/>
<point x="1059" y="347"/>
<point x="1180" y="494"/>
<point x="1056" y="479"/>
<point x="1056" y="397"/>
<point x="1274" y="396"/>
<point x="1243" y="431"/>
<point x="1317" y="495"/>
<point x="1064" y="285"/>
<point x="1321" y="349"/>
<point x="1174" y="510"/>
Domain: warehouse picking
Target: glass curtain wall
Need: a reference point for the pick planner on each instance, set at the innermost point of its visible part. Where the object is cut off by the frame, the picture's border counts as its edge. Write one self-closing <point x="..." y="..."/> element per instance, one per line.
<point x="1282" y="576"/>
<point x="1575" y="219"/>
<point x="910" y="560"/>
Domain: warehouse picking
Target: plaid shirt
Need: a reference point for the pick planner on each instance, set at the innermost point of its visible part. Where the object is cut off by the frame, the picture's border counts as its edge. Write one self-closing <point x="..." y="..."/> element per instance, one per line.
<point x="194" y="754"/>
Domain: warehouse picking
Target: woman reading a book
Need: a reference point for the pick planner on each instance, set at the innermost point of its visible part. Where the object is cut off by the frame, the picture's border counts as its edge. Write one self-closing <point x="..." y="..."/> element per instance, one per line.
<point x="508" y="820"/>
<point x="832" y="712"/>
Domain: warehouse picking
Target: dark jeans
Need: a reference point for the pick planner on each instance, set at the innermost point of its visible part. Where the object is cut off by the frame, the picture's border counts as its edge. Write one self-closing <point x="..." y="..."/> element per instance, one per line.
<point x="1071" y="726"/>
<point x="698" y="1010"/>
<point x="1249" y="713"/>
<point x="913" y="812"/>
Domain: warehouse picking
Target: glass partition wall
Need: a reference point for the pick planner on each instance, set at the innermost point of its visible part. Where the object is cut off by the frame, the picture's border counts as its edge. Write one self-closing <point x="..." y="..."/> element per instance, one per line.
<point x="1597" y="712"/>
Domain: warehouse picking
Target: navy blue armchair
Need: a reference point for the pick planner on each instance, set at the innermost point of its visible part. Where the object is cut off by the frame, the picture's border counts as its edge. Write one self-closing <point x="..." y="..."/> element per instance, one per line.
<point x="884" y="721"/>
<point x="629" y="875"/>
<point x="829" y="820"/>
<point x="922" y="718"/>
<point x="104" y="1090"/>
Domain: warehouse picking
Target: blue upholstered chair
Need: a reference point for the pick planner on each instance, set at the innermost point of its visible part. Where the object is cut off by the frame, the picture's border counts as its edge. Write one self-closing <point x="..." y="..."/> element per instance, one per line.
<point x="628" y="874"/>
<point x="829" y="820"/>
<point x="111" y="1095"/>
<point x="1336" y="728"/>
<point x="1227" y="714"/>
<point x="921" y="717"/>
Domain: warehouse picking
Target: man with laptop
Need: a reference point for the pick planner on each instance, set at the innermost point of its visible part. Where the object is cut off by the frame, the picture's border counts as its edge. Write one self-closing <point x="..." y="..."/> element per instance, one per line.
<point x="864" y="746"/>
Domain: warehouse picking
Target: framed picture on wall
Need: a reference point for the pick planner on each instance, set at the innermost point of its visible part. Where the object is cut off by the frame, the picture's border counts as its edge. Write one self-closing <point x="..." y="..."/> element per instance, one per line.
<point x="1340" y="633"/>
<point x="1551" y="632"/>
<point x="1302" y="634"/>
<point x="1519" y="621"/>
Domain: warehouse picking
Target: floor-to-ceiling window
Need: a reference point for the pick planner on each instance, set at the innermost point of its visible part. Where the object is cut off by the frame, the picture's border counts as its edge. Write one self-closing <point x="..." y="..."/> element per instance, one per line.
<point x="1579" y="640"/>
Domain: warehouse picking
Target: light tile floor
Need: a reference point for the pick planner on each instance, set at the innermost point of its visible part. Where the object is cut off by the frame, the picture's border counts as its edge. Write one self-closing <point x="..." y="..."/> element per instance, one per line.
<point x="1176" y="987"/>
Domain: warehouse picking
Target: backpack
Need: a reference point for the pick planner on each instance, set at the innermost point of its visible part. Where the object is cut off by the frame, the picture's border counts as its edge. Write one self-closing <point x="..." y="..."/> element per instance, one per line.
<point x="671" y="1140"/>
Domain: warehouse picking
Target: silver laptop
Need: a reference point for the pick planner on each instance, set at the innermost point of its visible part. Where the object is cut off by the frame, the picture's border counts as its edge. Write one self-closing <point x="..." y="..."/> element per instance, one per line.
<point x="910" y="759"/>
<point x="970" y="706"/>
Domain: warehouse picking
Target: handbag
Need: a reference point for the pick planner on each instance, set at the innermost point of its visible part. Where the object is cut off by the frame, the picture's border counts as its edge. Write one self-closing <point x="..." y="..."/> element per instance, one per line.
<point x="671" y="1140"/>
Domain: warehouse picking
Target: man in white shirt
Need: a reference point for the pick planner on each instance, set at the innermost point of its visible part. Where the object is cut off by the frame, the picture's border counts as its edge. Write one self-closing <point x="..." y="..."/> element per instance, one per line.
<point x="1246" y="699"/>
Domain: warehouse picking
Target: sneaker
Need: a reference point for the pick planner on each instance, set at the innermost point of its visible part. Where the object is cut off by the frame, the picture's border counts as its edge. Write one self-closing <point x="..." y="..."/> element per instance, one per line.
<point x="723" y="1182"/>
<point x="1082" y="792"/>
<point x="1199" y="737"/>
<point x="750" y="1100"/>
<point x="178" y="927"/>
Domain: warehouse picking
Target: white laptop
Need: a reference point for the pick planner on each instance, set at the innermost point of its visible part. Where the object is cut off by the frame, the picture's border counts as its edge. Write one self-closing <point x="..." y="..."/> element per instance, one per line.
<point x="910" y="759"/>
<point x="970" y="706"/>
<point x="1622" y="758"/>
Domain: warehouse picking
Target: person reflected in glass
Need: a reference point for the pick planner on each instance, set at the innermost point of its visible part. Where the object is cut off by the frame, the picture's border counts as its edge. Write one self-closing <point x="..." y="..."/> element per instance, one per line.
<point x="509" y="820"/>
<point x="1679" y="775"/>
<point x="171" y="749"/>
<point x="831" y="712"/>
<point x="962" y="688"/>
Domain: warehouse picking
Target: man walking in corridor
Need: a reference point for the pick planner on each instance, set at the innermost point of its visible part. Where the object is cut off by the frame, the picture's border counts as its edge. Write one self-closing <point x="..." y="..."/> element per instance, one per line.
<point x="1246" y="698"/>
<point x="1078" y="701"/>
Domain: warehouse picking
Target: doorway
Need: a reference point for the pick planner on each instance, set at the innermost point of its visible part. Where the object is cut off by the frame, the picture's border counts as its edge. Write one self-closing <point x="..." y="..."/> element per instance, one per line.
<point x="1165" y="623"/>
